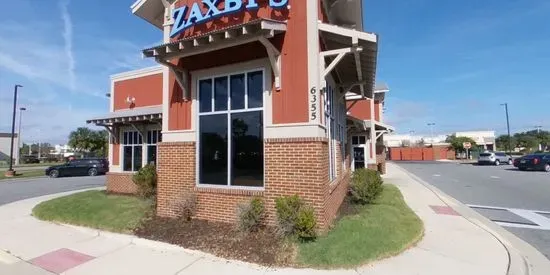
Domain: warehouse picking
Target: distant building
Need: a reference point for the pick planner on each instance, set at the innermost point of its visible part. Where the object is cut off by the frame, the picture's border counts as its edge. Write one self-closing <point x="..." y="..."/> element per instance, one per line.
<point x="484" y="139"/>
<point x="412" y="140"/>
<point x="5" y="144"/>
<point x="62" y="150"/>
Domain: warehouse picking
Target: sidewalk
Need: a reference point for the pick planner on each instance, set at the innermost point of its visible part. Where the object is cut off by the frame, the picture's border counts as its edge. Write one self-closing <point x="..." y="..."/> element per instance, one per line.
<point x="452" y="245"/>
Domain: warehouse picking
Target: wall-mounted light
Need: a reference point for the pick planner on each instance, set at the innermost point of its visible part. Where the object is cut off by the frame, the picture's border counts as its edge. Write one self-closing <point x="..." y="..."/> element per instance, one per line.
<point x="130" y="100"/>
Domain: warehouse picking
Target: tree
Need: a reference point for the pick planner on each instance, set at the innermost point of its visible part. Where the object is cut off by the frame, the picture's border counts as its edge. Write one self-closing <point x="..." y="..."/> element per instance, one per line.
<point x="457" y="143"/>
<point x="502" y="142"/>
<point x="89" y="141"/>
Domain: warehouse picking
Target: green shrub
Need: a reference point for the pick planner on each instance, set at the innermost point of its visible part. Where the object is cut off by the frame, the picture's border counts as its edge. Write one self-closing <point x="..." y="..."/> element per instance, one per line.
<point x="250" y="215"/>
<point x="305" y="227"/>
<point x="294" y="218"/>
<point x="365" y="186"/>
<point x="146" y="181"/>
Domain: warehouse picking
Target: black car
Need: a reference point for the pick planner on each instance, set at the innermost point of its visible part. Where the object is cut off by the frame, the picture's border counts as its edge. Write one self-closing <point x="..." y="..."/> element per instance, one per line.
<point x="29" y="159"/>
<point x="539" y="162"/>
<point x="79" y="167"/>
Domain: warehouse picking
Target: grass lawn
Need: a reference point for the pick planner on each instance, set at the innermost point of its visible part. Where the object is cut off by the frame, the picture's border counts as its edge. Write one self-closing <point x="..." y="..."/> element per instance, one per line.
<point x="95" y="209"/>
<point x="373" y="232"/>
<point x="24" y="174"/>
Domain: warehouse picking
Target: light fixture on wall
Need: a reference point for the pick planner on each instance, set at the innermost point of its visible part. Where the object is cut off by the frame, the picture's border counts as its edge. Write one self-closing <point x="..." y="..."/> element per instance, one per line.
<point x="130" y="100"/>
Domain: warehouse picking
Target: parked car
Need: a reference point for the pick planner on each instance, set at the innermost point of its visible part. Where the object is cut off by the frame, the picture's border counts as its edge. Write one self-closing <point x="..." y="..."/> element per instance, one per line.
<point x="539" y="162"/>
<point x="79" y="167"/>
<point x="29" y="159"/>
<point x="494" y="158"/>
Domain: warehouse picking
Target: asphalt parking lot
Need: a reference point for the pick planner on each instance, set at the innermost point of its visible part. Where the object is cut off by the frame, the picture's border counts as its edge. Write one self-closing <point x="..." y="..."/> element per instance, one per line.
<point x="19" y="189"/>
<point x="517" y="200"/>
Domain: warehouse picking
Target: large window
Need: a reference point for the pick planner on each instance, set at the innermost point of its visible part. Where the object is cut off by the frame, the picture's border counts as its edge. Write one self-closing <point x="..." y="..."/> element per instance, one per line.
<point x="153" y="137"/>
<point x="132" y="148"/>
<point x="231" y="148"/>
<point x="335" y="121"/>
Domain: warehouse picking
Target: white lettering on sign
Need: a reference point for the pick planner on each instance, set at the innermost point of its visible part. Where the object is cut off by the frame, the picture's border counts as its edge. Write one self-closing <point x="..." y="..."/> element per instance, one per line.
<point x="183" y="22"/>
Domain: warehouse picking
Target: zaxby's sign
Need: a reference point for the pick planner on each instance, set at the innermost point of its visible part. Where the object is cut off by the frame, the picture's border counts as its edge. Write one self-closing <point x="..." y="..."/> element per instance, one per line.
<point x="196" y="16"/>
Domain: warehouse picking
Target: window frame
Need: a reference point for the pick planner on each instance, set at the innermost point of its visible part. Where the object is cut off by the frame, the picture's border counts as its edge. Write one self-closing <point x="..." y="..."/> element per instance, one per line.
<point x="228" y="72"/>
<point x="146" y="144"/>
<point x="123" y="145"/>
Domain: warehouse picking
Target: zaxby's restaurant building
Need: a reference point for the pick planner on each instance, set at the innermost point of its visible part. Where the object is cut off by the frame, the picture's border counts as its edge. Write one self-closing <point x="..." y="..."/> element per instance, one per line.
<point x="250" y="98"/>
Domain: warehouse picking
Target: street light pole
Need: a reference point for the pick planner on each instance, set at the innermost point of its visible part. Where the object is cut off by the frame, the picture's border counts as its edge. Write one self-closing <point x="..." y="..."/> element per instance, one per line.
<point x="19" y="135"/>
<point x="10" y="171"/>
<point x="508" y="127"/>
<point x="432" y="131"/>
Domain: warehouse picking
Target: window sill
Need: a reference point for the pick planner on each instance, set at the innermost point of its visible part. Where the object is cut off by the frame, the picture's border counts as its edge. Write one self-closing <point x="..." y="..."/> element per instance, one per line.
<point x="230" y="190"/>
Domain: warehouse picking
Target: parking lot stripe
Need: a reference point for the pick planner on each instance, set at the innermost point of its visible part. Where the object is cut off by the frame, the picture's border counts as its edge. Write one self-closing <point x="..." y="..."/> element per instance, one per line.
<point x="541" y="222"/>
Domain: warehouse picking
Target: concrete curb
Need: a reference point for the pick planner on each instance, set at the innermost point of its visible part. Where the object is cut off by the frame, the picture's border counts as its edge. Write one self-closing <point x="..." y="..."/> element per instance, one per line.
<point x="524" y="259"/>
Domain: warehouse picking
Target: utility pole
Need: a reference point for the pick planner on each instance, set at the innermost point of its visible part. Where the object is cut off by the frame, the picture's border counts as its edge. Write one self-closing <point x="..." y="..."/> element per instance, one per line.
<point x="431" y="124"/>
<point x="10" y="172"/>
<point x="19" y="135"/>
<point x="508" y="127"/>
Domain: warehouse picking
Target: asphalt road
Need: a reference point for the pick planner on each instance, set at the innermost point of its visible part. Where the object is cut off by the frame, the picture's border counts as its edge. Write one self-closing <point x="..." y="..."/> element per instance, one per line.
<point x="518" y="201"/>
<point x="19" y="189"/>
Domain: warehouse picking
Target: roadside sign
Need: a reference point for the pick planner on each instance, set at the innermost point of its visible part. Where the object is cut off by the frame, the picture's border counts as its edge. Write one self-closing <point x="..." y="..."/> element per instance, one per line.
<point x="467" y="145"/>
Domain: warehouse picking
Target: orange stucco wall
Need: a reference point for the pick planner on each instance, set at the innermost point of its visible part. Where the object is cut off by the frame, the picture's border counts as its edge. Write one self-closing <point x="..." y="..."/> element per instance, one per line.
<point x="116" y="154"/>
<point x="290" y="104"/>
<point x="147" y="91"/>
<point x="361" y="109"/>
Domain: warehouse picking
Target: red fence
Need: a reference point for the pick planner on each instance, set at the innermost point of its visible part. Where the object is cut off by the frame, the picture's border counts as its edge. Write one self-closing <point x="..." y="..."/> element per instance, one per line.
<point x="421" y="153"/>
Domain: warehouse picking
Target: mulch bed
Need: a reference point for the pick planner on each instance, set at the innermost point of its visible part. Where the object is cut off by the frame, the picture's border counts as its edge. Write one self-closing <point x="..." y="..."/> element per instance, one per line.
<point x="221" y="239"/>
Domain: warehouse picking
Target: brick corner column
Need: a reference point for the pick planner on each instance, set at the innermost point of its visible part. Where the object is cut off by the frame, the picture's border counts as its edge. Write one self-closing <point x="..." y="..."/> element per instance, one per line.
<point x="176" y="174"/>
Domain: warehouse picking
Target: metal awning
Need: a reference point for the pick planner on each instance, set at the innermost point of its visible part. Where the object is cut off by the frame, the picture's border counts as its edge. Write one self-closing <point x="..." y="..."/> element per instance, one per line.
<point x="354" y="123"/>
<point x="256" y="30"/>
<point x="142" y="114"/>
<point x="380" y="126"/>
<point x="380" y="90"/>
<point x="352" y="55"/>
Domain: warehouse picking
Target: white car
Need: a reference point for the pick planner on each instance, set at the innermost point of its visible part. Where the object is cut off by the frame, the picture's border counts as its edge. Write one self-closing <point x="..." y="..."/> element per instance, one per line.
<point x="495" y="158"/>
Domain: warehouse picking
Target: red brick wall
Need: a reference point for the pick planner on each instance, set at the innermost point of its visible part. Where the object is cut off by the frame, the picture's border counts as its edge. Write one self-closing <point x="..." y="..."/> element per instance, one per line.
<point x="176" y="174"/>
<point x="120" y="183"/>
<point x="292" y="166"/>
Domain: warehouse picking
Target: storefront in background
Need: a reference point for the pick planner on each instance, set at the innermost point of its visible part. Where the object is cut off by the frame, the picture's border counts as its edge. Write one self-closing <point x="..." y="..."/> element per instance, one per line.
<point x="249" y="99"/>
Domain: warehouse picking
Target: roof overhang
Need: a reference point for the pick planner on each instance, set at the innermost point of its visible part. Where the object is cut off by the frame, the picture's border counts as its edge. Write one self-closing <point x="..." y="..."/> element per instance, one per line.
<point x="380" y="126"/>
<point x="151" y="11"/>
<point x="356" y="124"/>
<point x="380" y="91"/>
<point x="135" y="115"/>
<point x="222" y="38"/>
<point x="352" y="55"/>
<point x="258" y="30"/>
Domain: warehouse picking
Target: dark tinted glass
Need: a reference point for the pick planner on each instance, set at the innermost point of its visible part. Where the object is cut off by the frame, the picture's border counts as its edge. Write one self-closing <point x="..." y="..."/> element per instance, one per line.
<point x="247" y="149"/>
<point x="237" y="91"/>
<point x="362" y="140"/>
<point x="205" y="95"/>
<point x="220" y="94"/>
<point x="255" y="89"/>
<point x="355" y="140"/>
<point x="137" y="157"/>
<point x="152" y="154"/>
<point x="213" y="149"/>
<point x="484" y="155"/>
<point x="127" y="165"/>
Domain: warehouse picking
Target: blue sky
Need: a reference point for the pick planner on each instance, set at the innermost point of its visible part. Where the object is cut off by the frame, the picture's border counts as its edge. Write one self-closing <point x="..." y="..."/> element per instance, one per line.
<point x="448" y="62"/>
<point x="454" y="62"/>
